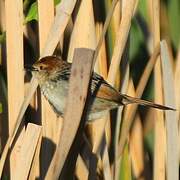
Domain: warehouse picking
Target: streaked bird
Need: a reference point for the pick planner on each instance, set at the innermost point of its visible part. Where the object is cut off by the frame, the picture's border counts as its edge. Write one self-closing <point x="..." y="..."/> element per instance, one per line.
<point x="53" y="76"/>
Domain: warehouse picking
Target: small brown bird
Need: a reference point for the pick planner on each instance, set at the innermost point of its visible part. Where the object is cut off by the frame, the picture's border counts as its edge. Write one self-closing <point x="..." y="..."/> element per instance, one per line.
<point x="53" y="76"/>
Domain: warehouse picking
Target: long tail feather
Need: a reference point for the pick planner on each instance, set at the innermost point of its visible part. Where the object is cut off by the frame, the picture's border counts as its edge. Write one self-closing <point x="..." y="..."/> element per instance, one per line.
<point x="130" y="100"/>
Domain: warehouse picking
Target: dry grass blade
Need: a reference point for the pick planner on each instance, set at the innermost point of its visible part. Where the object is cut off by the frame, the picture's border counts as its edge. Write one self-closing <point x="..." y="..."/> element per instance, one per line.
<point x="81" y="169"/>
<point x="177" y="82"/>
<point x="78" y="88"/>
<point x="159" y="147"/>
<point x="86" y="35"/>
<point x="137" y="148"/>
<point x="35" y="166"/>
<point x="98" y="127"/>
<point x="15" y="79"/>
<point x="121" y="39"/>
<point x="18" y="122"/>
<point x="142" y="83"/>
<point x="49" y="120"/>
<point x="106" y="24"/>
<point x="63" y="14"/>
<point x="136" y="138"/>
<point x="170" y="116"/>
<point x="125" y="82"/>
<point x="85" y="31"/>
<point x="46" y="17"/>
<point x="27" y="151"/>
<point x="15" y="73"/>
<point x="177" y="89"/>
<point x="99" y="146"/>
<point x="96" y="133"/>
<point x="106" y="162"/>
<point x="102" y="57"/>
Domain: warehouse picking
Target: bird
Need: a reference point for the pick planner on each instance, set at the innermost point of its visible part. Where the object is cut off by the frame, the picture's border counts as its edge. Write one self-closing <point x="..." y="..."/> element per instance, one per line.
<point x="53" y="74"/>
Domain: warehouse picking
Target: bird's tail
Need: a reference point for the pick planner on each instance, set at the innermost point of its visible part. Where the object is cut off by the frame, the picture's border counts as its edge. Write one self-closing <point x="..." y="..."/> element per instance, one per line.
<point x="130" y="100"/>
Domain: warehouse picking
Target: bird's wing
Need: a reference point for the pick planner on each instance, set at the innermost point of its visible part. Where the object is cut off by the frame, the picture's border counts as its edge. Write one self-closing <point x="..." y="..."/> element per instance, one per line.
<point x="105" y="91"/>
<point x="101" y="89"/>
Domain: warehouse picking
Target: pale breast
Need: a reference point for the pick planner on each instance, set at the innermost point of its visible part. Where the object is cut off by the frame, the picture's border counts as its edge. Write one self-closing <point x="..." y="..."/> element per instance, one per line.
<point x="56" y="94"/>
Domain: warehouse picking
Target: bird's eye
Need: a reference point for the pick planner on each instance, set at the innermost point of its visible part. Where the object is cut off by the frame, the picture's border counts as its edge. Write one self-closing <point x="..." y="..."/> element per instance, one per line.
<point x="41" y="67"/>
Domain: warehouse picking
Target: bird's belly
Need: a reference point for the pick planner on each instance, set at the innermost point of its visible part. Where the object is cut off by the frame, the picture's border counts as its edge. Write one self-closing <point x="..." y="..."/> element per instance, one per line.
<point x="99" y="108"/>
<point x="57" y="94"/>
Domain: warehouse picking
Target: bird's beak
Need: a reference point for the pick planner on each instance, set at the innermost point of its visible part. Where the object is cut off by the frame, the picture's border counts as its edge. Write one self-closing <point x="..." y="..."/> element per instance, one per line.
<point x="30" y="68"/>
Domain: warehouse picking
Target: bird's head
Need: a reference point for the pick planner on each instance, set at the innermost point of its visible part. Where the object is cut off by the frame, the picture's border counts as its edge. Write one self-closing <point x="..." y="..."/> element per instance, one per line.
<point x="46" y="68"/>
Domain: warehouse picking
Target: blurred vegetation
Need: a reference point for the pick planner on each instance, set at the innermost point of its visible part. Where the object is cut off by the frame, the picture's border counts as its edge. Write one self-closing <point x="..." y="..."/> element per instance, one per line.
<point x="125" y="168"/>
<point x="32" y="11"/>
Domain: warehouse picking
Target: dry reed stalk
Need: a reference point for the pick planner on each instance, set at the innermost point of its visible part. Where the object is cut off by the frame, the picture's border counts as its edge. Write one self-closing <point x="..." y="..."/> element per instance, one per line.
<point x="102" y="63"/>
<point x="63" y="14"/>
<point x="96" y="131"/>
<point x="14" y="43"/>
<point x="102" y="66"/>
<point x="99" y="130"/>
<point x="83" y="34"/>
<point x="29" y="144"/>
<point x="123" y="89"/>
<point x="110" y="36"/>
<point x="159" y="148"/>
<point x="129" y="114"/>
<point x="34" y="172"/>
<point x="117" y="161"/>
<point x="106" y="162"/>
<point x="100" y="42"/>
<point x="106" y="24"/>
<point x="79" y="80"/>
<point x="102" y="57"/>
<point x="46" y="17"/>
<point x="115" y="21"/>
<point x="15" y="73"/>
<point x="137" y="149"/>
<point x="85" y="39"/>
<point x="177" y="90"/>
<point x="81" y="169"/>
<point x="177" y="82"/>
<point x="100" y="146"/>
<point x="62" y="17"/>
<point x="50" y="122"/>
<point x="120" y="41"/>
<point x="105" y="29"/>
<point x="136" y="140"/>
<point x="117" y="16"/>
<point x="172" y="162"/>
